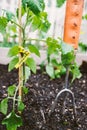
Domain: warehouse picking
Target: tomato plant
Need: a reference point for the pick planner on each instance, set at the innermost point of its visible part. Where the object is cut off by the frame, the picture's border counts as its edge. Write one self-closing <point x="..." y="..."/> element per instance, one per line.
<point x="36" y="19"/>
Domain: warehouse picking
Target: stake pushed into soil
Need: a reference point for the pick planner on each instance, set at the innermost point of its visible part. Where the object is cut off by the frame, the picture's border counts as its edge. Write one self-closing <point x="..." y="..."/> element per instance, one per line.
<point x="20" y="56"/>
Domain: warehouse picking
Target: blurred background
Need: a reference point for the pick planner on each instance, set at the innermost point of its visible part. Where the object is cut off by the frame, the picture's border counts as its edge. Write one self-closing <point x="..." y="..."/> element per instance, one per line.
<point x="56" y="17"/>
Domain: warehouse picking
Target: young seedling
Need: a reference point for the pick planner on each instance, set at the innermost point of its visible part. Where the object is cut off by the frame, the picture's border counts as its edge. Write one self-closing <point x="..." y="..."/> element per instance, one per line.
<point x="36" y="19"/>
<point x="71" y="35"/>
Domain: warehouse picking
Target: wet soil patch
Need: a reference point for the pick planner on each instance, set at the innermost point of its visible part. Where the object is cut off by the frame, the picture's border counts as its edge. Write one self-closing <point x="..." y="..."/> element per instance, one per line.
<point x="42" y="92"/>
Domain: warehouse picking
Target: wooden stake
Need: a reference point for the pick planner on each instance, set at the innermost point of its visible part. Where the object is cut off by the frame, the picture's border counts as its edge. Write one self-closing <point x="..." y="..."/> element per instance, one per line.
<point x="20" y="56"/>
<point x="73" y="17"/>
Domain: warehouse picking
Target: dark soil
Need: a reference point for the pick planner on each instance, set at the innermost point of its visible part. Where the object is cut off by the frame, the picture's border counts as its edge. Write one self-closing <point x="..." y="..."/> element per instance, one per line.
<point x="42" y="92"/>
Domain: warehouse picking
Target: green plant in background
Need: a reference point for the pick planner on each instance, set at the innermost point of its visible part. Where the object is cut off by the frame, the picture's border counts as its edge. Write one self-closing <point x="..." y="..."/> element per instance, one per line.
<point x="35" y="19"/>
<point x="7" y="29"/>
<point x="59" y="3"/>
<point x="83" y="47"/>
<point x="59" y="56"/>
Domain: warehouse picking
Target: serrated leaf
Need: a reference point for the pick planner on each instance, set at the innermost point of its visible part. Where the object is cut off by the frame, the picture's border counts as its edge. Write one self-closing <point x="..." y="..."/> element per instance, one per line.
<point x="34" y="50"/>
<point x="50" y="71"/>
<point x="36" y="6"/>
<point x="13" y="51"/>
<point x="11" y="90"/>
<point x="4" y="106"/>
<point x="12" y="63"/>
<point x="12" y="121"/>
<point x="3" y="24"/>
<point x="31" y="64"/>
<point x="21" y="106"/>
<point x="27" y="73"/>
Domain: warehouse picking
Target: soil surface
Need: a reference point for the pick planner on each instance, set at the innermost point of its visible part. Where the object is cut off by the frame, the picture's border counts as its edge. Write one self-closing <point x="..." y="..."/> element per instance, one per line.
<point x="38" y="101"/>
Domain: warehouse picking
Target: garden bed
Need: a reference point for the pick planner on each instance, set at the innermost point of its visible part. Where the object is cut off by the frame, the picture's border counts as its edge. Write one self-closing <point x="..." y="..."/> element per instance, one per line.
<point x="42" y="91"/>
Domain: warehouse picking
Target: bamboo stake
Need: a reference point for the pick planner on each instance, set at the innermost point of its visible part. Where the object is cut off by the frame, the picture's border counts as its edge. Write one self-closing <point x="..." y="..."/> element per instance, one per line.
<point x="73" y="17"/>
<point x="20" y="56"/>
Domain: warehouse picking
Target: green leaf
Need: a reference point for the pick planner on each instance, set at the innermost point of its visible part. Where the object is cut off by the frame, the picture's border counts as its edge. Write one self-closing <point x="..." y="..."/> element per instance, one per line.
<point x="60" y="2"/>
<point x="31" y="64"/>
<point x="68" y="59"/>
<point x="34" y="49"/>
<point x="57" y="73"/>
<point x="60" y="70"/>
<point x="12" y="63"/>
<point x="84" y="17"/>
<point x="83" y="47"/>
<point x="13" y="51"/>
<point x="24" y="3"/>
<point x="11" y="90"/>
<point x="3" y="24"/>
<point x="12" y="121"/>
<point x="25" y="90"/>
<point x="66" y="48"/>
<point x="45" y="26"/>
<point x="27" y="73"/>
<point x="75" y="72"/>
<point x="53" y="45"/>
<point x="14" y="30"/>
<point x="9" y="15"/>
<point x="36" y="6"/>
<point x="39" y="22"/>
<point x="63" y="70"/>
<point x="54" y="62"/>
<point x="50" y="71"/>
<point x="36" y="22"/>
<point x="21" y="106"/>
<point x="44" y="23"/>
<point x="4" y="106"/>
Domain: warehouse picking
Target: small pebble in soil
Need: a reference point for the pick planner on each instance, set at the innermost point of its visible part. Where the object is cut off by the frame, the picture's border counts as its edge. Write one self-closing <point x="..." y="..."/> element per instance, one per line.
<point x="84" y="81"/>
<point x="5" y="95"/>
<point x="3" y="86"/>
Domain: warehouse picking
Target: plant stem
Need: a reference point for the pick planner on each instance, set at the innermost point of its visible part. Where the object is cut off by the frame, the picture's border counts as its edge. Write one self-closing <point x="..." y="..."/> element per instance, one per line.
<point x="23" y="63"/>
<point x="14" y="98"/>
<point x="67" y="76"/>
<point x="16" y="24"/>
<point x="20" y="55"/>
